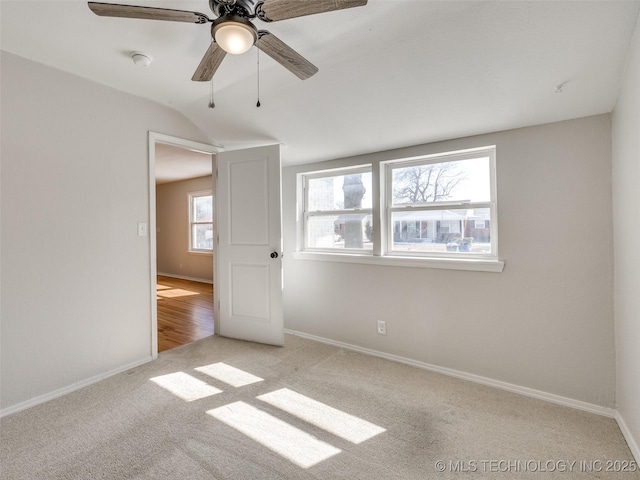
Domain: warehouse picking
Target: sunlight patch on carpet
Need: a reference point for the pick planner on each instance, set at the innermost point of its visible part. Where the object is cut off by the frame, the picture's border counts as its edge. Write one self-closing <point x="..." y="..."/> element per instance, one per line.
<point x="230" y="375"/>
<point x="337" y="422"/>
<point x="286" y="440"/>
<point x="185" y="386"/>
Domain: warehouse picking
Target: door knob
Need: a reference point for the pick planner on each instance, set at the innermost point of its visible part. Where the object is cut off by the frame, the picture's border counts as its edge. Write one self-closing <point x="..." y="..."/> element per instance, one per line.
<point x="274" y="254"/>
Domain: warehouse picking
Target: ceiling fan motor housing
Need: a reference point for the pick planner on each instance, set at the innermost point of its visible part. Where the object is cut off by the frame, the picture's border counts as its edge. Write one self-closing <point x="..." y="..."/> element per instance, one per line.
<point x="243" y="8"/>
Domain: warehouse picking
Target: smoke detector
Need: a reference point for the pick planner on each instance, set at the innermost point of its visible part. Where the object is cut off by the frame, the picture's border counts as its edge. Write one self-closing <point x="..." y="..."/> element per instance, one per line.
<point x="141" y="59"/>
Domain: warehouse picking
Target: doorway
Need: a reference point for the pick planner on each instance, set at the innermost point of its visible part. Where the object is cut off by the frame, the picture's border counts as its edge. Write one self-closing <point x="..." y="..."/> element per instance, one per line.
<point x="181" y="269"/>
<point x="185" y="311"/>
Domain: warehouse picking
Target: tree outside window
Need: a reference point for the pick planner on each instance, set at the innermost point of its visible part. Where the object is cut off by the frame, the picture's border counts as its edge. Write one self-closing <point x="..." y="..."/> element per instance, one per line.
<point x="337" y="209"/>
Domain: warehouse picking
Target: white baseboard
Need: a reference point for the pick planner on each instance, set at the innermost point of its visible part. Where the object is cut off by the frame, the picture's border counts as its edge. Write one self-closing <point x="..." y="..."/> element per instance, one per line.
<point x="68" y="389"/>
<point x="628" y="436"/>
<point x="529" y="392"/>
<point x="182" y="277"/>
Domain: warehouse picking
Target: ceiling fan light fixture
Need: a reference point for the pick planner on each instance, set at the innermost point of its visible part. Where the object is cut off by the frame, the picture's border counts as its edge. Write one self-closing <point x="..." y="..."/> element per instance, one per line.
<point x="234" y="35"/>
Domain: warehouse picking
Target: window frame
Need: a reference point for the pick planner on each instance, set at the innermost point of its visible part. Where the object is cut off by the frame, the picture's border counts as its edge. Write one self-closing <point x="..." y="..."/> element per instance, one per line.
<point x="387" y="168"/>
<point x="191" y="215"/>
<point x="303" y="233"/>
<point x="382" y="235"/>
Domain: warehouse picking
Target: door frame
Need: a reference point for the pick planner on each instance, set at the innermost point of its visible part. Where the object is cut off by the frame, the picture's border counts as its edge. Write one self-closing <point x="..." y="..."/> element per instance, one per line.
<point x="155" y="138"/>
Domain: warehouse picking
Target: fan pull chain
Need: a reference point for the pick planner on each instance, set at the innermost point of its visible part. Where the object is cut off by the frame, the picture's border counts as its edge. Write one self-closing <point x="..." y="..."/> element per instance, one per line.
<point x="211" y="102"/>
<point x="258" y="104"/>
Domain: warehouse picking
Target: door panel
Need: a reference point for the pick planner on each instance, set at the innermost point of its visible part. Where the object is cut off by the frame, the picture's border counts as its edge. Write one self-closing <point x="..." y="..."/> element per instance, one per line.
<point x="249" y="214"/>
<point x="249" y="277"/>
<point x="249" y="292"/>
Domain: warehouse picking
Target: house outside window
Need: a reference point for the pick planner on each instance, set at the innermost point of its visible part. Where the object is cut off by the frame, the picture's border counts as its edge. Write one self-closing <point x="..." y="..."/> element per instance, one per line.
<point x="442" y="205"/>
<point x="429" y="210"/>
<point x="201" y="221"/>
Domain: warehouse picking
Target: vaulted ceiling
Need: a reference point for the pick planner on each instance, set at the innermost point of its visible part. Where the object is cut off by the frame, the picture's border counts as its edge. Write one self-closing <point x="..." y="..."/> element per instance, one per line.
<point x="393" y="73"/>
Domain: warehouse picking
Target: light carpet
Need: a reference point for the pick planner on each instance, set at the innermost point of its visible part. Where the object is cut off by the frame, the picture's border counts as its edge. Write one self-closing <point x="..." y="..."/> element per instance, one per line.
<point x="227" y="409"/>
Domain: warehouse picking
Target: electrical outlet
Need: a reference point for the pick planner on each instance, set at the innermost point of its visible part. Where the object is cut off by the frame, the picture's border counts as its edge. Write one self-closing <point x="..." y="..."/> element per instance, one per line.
<point x="382" y="327"/>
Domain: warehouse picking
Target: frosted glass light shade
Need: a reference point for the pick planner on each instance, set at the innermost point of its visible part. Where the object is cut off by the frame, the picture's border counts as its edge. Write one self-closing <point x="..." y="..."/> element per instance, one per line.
<point x="234" y="37"/>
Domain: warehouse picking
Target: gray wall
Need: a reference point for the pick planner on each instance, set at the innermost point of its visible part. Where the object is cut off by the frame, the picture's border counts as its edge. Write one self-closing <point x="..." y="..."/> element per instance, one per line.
<point x="626" y="202"/>
<point x="545" y="322"/>
<point x="172" y="223"/>
<point x="75" y="275"/>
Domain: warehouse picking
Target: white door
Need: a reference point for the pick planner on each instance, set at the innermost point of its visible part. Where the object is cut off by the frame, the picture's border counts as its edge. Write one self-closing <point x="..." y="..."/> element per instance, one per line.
<point x="249" y="255"/>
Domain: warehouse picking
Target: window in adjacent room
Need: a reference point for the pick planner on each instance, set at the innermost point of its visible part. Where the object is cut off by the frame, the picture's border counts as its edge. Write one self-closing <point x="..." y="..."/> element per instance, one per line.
<point x="201" y="222"/>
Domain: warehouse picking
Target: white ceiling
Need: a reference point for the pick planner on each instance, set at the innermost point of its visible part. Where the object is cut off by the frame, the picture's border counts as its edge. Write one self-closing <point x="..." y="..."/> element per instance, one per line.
<point x="393" y="73"/>
<point x="176" y="163"/>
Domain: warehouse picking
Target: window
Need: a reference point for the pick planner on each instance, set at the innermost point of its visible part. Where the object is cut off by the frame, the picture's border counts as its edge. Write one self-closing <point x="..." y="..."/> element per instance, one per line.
<point x="337" y="210"/>
<point x="441" y="206"/>
<point x="201" y="222"/>
<point x="437" y="210"/>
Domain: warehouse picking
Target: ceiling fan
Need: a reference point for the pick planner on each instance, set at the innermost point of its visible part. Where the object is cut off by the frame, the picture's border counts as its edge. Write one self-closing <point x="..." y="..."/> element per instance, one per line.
<point x="233" y="32"/>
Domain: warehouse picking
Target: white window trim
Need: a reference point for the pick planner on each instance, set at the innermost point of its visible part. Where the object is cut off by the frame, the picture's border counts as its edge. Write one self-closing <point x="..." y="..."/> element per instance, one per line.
<point x="303" y="193"/>
<point x="200" y="252"/>
<point x="472" y="264"/>
<point x="191" y="196"/>
<point x="380" y="256"/>
<point x="386" y="172"/>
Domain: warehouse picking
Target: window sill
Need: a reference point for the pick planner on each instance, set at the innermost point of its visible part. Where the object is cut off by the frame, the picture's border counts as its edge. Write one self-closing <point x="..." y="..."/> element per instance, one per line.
<point x="192" y="252"/>
<point x="472" y="264"/>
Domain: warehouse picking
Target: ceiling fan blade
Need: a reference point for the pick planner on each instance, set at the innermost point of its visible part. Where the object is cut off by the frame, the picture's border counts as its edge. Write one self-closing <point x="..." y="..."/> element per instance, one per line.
<point x="285" y="55"/>
<point x="147" y="13"/>
<point x="275" y="10"/>
<point x="209" y="63"/>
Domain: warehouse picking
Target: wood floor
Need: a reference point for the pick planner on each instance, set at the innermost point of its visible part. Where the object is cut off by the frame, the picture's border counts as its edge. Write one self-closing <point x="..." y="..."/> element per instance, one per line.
<point x="185" y="312"/>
